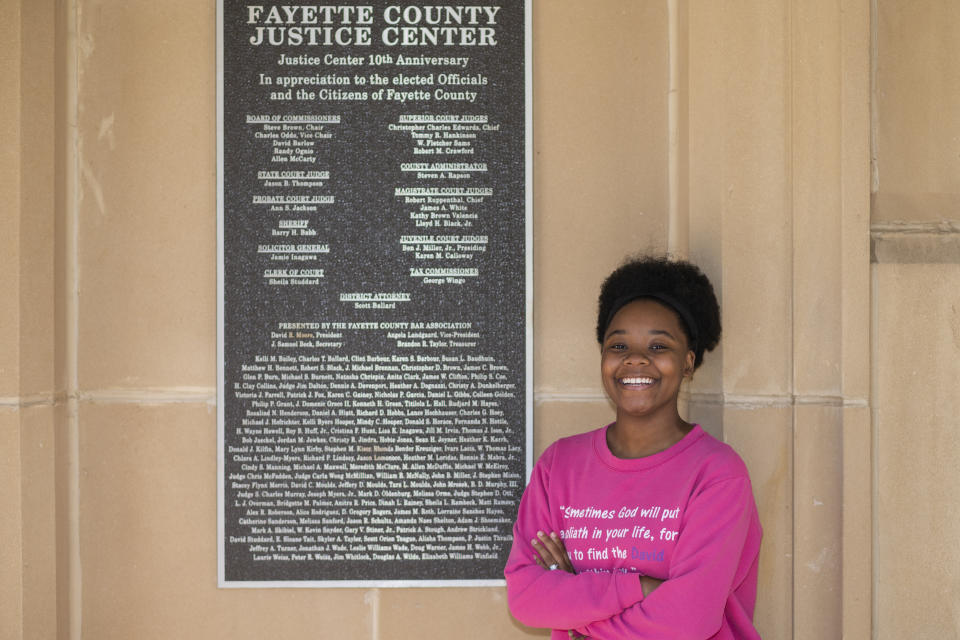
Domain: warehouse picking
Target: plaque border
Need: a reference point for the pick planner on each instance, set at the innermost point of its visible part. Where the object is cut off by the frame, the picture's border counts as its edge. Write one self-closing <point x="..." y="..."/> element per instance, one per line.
<point x="221" y="380"/>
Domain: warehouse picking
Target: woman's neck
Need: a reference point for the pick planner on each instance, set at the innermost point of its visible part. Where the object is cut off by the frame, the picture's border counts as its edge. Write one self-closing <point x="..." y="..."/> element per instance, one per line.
<point x="631" y="437"/>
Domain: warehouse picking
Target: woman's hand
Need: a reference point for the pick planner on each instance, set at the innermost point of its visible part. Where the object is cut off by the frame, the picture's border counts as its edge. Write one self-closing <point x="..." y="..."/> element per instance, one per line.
<point x="550" y="551"/>
<point x="551" y="554"/>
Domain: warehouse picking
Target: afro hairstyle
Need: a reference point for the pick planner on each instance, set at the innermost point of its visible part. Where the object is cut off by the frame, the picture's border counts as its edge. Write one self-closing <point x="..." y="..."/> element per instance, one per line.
<point x="671" y="282"/>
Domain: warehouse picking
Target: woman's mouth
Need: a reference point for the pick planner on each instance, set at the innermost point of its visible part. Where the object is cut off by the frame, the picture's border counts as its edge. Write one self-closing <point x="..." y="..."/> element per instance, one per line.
<point x="637" y="381"/>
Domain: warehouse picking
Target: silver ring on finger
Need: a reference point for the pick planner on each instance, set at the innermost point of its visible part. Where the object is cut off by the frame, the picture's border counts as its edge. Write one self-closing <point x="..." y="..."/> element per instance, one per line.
<point x="554" y="566"/>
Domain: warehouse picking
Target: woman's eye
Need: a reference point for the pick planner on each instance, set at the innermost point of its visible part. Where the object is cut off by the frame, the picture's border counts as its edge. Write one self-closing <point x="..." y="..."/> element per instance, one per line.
<point x="658" y="347"/>
<point x="619" y="346"/>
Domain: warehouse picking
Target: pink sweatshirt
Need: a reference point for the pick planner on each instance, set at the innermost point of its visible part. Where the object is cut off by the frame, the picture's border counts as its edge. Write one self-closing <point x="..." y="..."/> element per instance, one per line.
<point x="685" y="515"/>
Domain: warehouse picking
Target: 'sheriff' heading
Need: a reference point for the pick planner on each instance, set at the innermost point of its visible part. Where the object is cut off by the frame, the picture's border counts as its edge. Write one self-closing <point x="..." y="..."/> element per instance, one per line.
<point x="354" y="25"/>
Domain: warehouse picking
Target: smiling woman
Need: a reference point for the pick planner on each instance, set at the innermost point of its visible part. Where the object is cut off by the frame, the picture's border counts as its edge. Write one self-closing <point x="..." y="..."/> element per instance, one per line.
<point x="645" y="355"/>
<point x="656" y="318"/>
<point x="650" y="519"/>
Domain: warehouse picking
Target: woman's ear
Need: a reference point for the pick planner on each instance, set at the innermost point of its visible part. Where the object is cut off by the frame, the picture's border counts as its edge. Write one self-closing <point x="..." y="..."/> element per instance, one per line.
<point x="688" y="364"/>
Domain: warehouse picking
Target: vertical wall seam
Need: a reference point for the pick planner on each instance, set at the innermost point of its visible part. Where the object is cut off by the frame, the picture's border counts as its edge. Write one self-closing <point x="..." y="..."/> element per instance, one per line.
<point x="874" y="115"/>
<point x="789" y="206"/>
<point x="845" y="275"/>
<point x="18" y="91"/>
<point x="855" y="123"/>
<point x="676" y="243"/>
<point x="71" y="313"/>
<point x="842" y="212"/>
<point x="374" y="614"/>
<point x="874" y="448"/>
<point x="874" y="326"/>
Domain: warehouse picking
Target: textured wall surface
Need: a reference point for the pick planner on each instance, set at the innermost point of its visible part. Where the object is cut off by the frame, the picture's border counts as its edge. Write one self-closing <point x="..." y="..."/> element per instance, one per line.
<point x="916" y="254"/>
<point x="804" y="153"/>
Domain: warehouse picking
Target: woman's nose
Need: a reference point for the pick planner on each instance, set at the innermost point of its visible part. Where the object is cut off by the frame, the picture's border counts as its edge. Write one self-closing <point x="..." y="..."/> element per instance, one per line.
<point x="636" y="356"/>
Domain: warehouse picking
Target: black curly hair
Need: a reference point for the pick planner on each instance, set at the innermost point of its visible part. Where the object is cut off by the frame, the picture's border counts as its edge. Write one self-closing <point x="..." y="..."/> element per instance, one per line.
<point x="678" y="284"/>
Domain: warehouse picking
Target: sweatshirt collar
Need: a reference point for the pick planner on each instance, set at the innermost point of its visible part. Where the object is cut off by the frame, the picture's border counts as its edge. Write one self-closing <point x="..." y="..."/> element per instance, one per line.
<point x="647" y="462"/>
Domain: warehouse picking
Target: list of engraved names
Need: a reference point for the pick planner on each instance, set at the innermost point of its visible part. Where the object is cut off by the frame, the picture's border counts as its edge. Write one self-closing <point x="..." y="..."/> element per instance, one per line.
<point x="374" y="272"/>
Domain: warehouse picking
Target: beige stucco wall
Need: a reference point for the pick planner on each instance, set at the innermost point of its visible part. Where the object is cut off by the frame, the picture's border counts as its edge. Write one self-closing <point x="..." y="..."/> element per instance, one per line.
<point x="916" y="274"/>
<point x="739" y="133"/>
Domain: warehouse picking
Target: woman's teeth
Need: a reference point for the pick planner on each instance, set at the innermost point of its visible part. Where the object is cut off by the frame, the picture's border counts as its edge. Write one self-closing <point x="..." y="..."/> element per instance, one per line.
<point x="636" y="380"/>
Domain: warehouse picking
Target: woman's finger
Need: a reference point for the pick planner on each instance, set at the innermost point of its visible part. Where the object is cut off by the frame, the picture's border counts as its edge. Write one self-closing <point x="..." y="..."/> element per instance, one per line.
<point x="557" y="551"/>
<point x="560" y="550"/>
<point x="539" y="560"/>
<point x="544" y="558"/>
<point x="547" y="551"/>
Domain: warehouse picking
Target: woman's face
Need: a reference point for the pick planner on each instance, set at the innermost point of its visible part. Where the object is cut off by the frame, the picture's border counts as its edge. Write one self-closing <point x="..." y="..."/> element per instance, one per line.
<point x="644" y="358"/>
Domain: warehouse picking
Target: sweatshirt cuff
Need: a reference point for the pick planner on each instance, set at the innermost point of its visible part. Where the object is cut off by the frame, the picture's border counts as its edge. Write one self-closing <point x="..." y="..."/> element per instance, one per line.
<point x="629" y="588"/>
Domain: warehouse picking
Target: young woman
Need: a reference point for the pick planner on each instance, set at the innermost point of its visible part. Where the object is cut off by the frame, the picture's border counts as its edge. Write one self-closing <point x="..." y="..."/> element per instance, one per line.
<point x="645" y="528"/>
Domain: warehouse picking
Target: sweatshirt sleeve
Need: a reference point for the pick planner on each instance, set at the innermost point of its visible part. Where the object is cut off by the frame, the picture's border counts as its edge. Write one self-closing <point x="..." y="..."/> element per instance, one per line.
<point x="556" y="599"/>
<point x="706" y="568"/>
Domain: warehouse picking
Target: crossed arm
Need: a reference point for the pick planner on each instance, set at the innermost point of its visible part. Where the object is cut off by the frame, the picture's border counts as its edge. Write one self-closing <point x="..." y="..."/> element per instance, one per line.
<point x="550" y="551"/>
<point x="690" y="603"/>
<point x="552" y="555"/>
